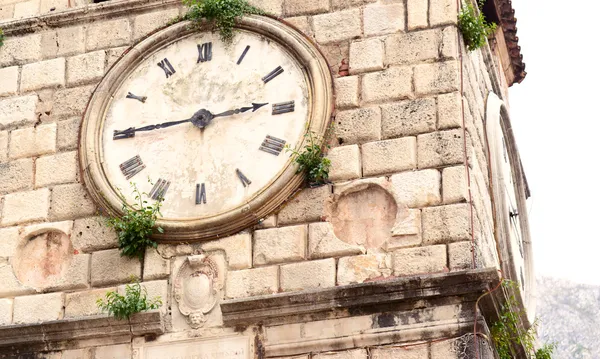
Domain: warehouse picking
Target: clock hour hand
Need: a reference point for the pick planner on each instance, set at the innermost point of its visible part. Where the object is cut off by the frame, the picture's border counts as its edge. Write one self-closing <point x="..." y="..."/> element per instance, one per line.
<point x="130" y="132"/>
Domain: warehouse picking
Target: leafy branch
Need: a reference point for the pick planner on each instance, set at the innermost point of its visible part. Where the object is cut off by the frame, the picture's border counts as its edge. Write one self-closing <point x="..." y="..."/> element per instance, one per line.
<point x="136" y="226"/>
<point x="223" y="13"/>
<point x="473" y="26"/>
<point x="1" y="37"/>
<point x="134" y="301"/>
<point x="311" y="161"/>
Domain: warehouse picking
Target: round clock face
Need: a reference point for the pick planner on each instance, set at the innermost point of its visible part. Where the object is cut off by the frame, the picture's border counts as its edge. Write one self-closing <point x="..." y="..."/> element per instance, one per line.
<point x="257" y="94"/>
<point x="204" y="125"/>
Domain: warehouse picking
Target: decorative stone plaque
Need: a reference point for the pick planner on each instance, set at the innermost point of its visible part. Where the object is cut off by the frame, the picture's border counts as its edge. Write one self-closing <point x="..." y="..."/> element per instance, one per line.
<point x="237" y="347"/>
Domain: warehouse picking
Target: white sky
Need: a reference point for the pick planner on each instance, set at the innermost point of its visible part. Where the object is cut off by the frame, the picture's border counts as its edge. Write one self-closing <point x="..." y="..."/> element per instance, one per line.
<point x="556" y="125"/>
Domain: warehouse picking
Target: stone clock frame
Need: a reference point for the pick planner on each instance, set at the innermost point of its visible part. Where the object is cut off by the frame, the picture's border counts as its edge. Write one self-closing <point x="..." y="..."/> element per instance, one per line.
<point x="320" y="92"/>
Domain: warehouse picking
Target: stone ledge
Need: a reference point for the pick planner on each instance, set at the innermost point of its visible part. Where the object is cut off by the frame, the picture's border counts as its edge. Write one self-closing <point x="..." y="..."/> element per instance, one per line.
<point x="265" y="309"/>
<point x="64" y="334"/>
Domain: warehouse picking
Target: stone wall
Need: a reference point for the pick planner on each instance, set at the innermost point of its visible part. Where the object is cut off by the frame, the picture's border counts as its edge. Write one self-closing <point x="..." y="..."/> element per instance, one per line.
<point x="401" y="146"/>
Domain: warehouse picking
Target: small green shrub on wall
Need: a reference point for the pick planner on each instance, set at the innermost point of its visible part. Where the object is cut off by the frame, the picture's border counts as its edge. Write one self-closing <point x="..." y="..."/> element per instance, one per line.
<point x="223" y="13"/>
<point x="1" y="37"/>
<point x="134" y="301"/>
<point x="311" y="160"/>
<point x="136" y="226"/>
<point x="474" y="28"/>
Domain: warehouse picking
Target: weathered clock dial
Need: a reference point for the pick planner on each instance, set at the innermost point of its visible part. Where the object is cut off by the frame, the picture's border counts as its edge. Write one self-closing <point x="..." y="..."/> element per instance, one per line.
<point x="204" y="124"/>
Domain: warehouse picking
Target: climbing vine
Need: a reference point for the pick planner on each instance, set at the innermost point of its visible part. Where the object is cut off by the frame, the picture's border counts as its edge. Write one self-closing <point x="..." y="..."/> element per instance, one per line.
<point x="473" y="26"/>
<point x="222" y="13"/>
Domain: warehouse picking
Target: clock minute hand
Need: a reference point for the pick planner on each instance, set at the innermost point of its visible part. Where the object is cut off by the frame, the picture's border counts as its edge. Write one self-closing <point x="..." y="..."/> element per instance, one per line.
<point x="255" y="106"/>
<point x="130" y="132"/>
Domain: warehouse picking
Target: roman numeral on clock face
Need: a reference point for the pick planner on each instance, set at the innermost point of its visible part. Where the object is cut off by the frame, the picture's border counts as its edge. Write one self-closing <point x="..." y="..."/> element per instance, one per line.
<point x="132" y="166"/>
<point x="245" y="181"/>
<point x="272" y="145"/>
<point x="160" y="189"/>
<point x="283" y="107"/>
<point x="167" y="68"/>
<point x="142" y="99"/>
<point x="200" y="193"/>
<point x="239" y="61"/>
<point x="271" y="75"/>
<point x="204" y="52"/>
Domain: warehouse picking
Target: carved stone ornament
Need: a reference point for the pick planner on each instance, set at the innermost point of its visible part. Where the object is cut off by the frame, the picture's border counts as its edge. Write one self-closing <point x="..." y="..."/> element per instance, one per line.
<point x="196" y="288"/>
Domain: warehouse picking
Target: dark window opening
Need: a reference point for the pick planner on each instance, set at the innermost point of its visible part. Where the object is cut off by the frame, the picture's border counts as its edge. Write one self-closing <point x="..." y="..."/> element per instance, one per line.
<point x="489" y="11"/>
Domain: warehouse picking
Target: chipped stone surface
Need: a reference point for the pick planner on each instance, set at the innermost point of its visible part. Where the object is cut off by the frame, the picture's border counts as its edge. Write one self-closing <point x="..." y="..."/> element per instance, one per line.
<point x="238" y="249"/>
<point x="155" y="266"/>
<point x="449" y="110"/>
<point x="359" y="269"/>
<point x="71" y="101"/>
<point x="406" y="231"/>
<point x="38" y="75"/>
<point x="366" y="55"/>
<point x="9" y="239"/>
<point x="346" y="91"/>
<point x="6" y="311"/>
<point x="86" y="68"/>
<point x="63" y="42"/>
<point x="308" y="275"/>
<point x="454" y="184"/>
<point x="389" y="156"/>
<point x="301" y="23"/>
<point x="92" y="233"/>
<point x="33" y="141"/>
<point x="38" y="308"/>
<point x="252" y="282"/>
<point x="337" y="26"/>
<point x="440" y="148"/>
<point x="10" y="80"/>
<point x="417" y="14"/>
<point x="430" y="259"/>
<point x="56" y="169"/>
<point x="16" y="175"/>
<point x="278" y="245"/>
<point x="382" y="19"/>
<point x="274" y="7"/>
<point x="81" y="304"/>
<point x="18" y="111"/>
<point x="418" y="188"/>
<point x="439" y="77"/>
<point x="10" y="285"/>
<point x="306" y="206"/>
<point x="68" y="134"/>
<point x="106" y="34"/>
<point x="302" y="7"/>
<point x="443" y="12"/>
<point x="21" y="207"/>
<point x="345" y="163"/>
<point x="345" y="354"/>
<point x="146" y="23"/>
<point x="71" y="201"/>
<point x="113" y="352"/>
<point x="460" y="255"/>
<point x="108" y="267"/>
<point x="412" y="47"/>
<point x="358" y="126"/>
<point x="392" y="84"/>
<point x="410" y="117"/>
<point x="449" y="223"/>
<point x="323" y="243"/>
<point x="21" y="49"/>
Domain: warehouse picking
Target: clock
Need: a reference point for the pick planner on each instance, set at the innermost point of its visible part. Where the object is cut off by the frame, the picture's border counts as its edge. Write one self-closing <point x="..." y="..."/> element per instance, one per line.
<point x="204" y="125"/>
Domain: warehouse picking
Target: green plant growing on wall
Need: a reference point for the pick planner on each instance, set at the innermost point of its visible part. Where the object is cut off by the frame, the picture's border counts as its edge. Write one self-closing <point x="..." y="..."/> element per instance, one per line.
<point x="474" y="28"/>
<point x="136" y="226"/>
<point x="507" y="331"/>
<point x="134" y="301"/>
<point x="223" y="13"/>
<point x="1" y="37"/>
<point x="311" y="161"/>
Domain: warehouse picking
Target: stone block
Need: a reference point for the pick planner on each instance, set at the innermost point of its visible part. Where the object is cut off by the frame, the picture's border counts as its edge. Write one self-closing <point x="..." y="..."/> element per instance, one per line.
<point x="406" y="231"/>
<point x="417" y="14"/>
<point x="38" y="308"/>
<point x="27" y="9"/>
<point x="16" y="175"/>
<point x="454" y="184"/>
<point x="47" y="6"/>
<point x="358" y="126"/>
<point x="335" y="54"/>
<point x="437" y="77"/>
<point x="9" y="239"/>
<point x="306" y="206"/>
<point x="407" y="352"/>
<point x="345" y="354"/>
<point x="274" y="7"/>
<point x="345" y="4"/>
<point x="105" y="34"/>
<point x="366" y="55"/>
<point x="155" y="266"/>
<point x="345" y="163"/>
<point x="71" y="201"/>
<point x="460" y="255"/>
<point x="77" y="354"/>
<point x="77" y="276"/>
<point x="305" y="7"/>
<point x="389" y="156"/>
<point x="267" y="222"/>
<point x="6" y="311"/>
<point x="85" y="68"/>
<point x="444" y="224"/>
<point x="278" y="245"/>
<point x="323" y="243"/>
<point x="3" y="146"/>
<point x="337" y="26"/>
<point x="43" y="74"/>
<point x="446" y="349"/>
<point x="382" y="19"/>
<point x="18" y="111"/>
<point x="68" y="134"/>
<point x="252" y="282"/>
<point x="7" y="11"/>
<point x="359" y="269"/>
<point x="412" y="47"/>
<point x="10" y="80"/>
<point x="112" y="55"/>
<point x="146" y="23"/>
<point x="449" y="111"/>
<point x="56" y="169"/>
<point x="237" y="248"/>
<point x="63" y="42"/>
<point x="92" y="234"/>
<point x="83" y="304"/>
<point x="308" y="275"/>
<point x="440" y="148"/>
<point x="10" y="285"/>
<point x="21" y="207"/>
<point x="418" y="188"/>
<point x="20" y="50"/>
<point x="443" y="12"/>
<point x="113" y="352"/>
<point x="71" y="101"/>
<point x="33" y="141"/>
<point x="449" y="46"/>
<point x="419" y="260"/>
<point x="394" y="83"/>
<point x="302" y="24"/>
<point x="407" y="118"/>
<point x="109" y="267"/>
<point x="346" y="92"/>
